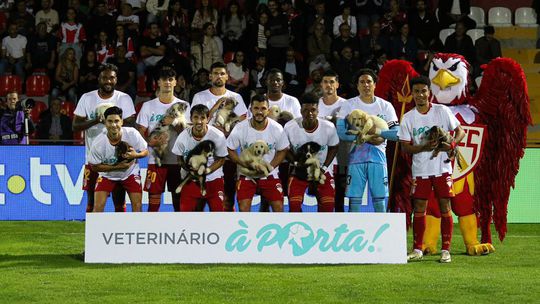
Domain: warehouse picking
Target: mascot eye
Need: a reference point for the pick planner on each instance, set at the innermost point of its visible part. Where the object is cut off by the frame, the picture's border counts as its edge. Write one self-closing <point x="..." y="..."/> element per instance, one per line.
<point x="453" y="68"/>
<point x="435" y="68"/>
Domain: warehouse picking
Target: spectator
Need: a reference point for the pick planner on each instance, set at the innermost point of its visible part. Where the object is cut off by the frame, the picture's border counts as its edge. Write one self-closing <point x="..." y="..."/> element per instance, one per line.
<point x="238" y="73"/>
<point x="315" y="86"/>
<point x="72" y="34"/>
<point x="204" y="14"/>
<point x="391" y="20"/>
<point x="454" y="11"/>
<point x="152" y="51"/>
<point x="487" y="47"/>
<point x="205" y="50"/>
<point x="182" y="90"/>
<point x="404" y="45"/>
<point x="176" y="27"/>
<point x="367" y="12"/>
<point x="47" y="15"/>
<point x="126" y="41"/>
<point x="320" y="17"/>
<point x="258" y="75"/>
<point x="126" y="72"/>
<point x="99" y="22"/>
<point x="461" y="43"/>
<point x="13" y="52"/>
<point x="201" y="82"/>
<point x="346" y="67"/>
<point x="67" y="74"/>
<point x="374" y="42"/>
<point x="128" y="19"/>
<point x="41" y="51"/>
<point x="345" y="40"/>
<point x="54" y="126"/>
<point x="425" y="27"/>
<point x="294" y="74"/>
<point x="277" y="31"/>
<point x="157" y="9"/>
<point x="89" y="72"/>
<point x="256" y="39"/>
<point x="12" y="124"/>
<point x="233" y="25"/>
<point x="319" y="43"/>
<point x="376" y="63"/>
<point x="23" y="19"/>
<point x="104" y="48"/>
<point x="345" y="17"/>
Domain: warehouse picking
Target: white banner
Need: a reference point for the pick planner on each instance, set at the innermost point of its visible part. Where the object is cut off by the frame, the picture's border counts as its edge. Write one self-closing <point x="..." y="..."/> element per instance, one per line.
<point x="281" y="238"/>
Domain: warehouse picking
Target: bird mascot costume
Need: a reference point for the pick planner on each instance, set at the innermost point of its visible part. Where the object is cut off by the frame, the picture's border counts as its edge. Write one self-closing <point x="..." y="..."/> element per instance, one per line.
<point x="495" y="120"/>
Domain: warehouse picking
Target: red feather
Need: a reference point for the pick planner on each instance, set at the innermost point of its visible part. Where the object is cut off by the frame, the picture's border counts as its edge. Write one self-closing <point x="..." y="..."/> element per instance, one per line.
<point x="503" y="105"/>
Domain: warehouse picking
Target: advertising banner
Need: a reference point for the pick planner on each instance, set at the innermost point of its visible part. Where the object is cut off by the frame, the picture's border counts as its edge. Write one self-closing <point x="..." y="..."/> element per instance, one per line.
<point x="273" y="238"/>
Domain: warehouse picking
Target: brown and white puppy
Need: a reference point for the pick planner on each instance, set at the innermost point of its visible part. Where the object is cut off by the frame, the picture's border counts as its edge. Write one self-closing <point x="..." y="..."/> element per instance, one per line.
<point x="225" y="117"/>
<point x="177" y="113"/>
<point x="365" y="126"/>
<point x="120" y="149"/>
<point x="100" y="110"/>
<point x="307" y="164"/>
<point x="197" y="163"/>
<point x="253" y="156"/>
<point x="282" y="117"/>
<point x="442" y="138"/>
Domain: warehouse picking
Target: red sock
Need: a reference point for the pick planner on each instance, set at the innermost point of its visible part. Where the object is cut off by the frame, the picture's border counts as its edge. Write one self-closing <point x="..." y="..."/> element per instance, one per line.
<point x="447" y="225"/>
<point x="419" y="226"/>
<point x="154" y="202"/>
<point x="326" y="204"/>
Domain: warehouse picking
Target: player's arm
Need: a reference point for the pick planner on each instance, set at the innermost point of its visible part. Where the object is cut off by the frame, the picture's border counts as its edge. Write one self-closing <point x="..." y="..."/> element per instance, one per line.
<point x="81" y="123"/>
<point x="233" y="156"/>
<point x="218" y="163"/>
<point x="279" y="157"/>
<point x="459" y="134"/>
<point x="342" y="128"/>
<point x="332" y="151"/>
<point x="132" y="154"/>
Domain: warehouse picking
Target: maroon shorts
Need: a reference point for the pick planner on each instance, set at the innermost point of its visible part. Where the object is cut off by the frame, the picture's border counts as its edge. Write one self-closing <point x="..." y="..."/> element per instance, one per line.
<point x="90" y="177"/>
<point x="132" y="184"/>
<point x="191" y="195"/>
<point x="325" y="194"/>
<point x="269" y="188"/>
<point x="156" y="177"/>
<point x="442" y="185"/>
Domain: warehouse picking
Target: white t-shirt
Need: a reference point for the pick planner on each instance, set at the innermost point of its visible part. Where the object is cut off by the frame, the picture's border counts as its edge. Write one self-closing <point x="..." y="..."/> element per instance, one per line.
<point x="132" y="19"/>
<point x="244" y="135"/>
<point x="50" y="18"/>
<point x="331" y="110"/>
<point x="325" y="135"/>
<point x="287" y="103"/>
<point x="379" y="107"/>
<point x="87" y="108"/>
<point x="413" y="129"/>
<point x="14" y="46"/>
<point x="208" y="99"/>
<point x="150" y="115"/>
<point x="185" y="143"/>
<point x="102" y="152"/>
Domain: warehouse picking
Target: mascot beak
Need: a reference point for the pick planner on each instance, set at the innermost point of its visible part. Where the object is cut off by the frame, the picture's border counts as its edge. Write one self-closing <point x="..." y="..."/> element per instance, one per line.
<point x="445" y="79"/>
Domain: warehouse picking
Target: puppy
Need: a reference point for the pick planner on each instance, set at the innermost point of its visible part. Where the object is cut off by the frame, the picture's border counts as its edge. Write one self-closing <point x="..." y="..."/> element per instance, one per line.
<point x="226" y="118"/>
<point x="307" y="164"/>
<point x="365" y="126"/>
<point x="177" y="113"/>
<point x="282" y="117"/>
<point x="100" y="110"/>
<point x="197" y="163"/>
<point x="120" y="149"/>
<point x="441" y="137"/>
<point x="253" y="156"/>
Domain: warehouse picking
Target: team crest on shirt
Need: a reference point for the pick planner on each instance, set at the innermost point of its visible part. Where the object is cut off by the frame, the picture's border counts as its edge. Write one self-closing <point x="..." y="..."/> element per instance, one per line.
<point x="221" y="196"/>
<point x="470" y="149"/>
<point x="279" y="188"/>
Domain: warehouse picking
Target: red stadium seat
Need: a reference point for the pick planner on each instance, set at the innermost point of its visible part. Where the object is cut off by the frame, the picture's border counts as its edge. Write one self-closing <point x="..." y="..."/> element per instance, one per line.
<point x="10" y="83"/>
<point x="67" y="108"/>
<point x="141" y="87"/>
<point x="37" y="110"/>
<point x="138" y="107"/>
<point x="38" y="85"/>
<point x="228" y="57"/>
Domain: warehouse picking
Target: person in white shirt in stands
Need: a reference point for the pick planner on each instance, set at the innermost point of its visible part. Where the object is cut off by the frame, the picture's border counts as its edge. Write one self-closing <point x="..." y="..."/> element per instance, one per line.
<point x="311" y="128"/>
<point x="115" y="169"/>
<point x="86" y="120"/>
<point x="212" y="99"/>
<point x="259" y="127"/>
<point x="429" y="173"/>
<point x="329" y="105"/>
<point x="151" y="114"/>
<point x="48" y="15"/>
<point x="191" y="196"/>
<point x="13" y="52"/>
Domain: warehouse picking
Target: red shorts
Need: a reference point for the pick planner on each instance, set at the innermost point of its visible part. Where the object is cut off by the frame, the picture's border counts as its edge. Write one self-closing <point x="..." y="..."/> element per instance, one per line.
<point x="132" y="184"/>
<point x="325" y="194"/>
<point x="156" y="177"/>
<point x="442" y="185"/>
<point x="269" y="188"/>
<point x="90" y="177"/>
<point x="191" y="194"/>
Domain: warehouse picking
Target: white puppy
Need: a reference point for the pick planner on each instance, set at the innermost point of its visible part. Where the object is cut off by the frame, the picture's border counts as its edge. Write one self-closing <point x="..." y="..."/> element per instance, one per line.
<point x="365" y="126"/>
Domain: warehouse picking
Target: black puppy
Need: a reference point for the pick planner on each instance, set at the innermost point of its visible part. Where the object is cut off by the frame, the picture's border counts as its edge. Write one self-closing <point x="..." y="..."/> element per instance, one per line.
<point x="120" y="149"/>
<point x="196" y="164"/>
<point x="306" y="162"/>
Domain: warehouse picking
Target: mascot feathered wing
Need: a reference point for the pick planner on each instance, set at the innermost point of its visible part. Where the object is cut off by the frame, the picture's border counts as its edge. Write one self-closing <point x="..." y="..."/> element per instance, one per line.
<point x="495" y="121"/>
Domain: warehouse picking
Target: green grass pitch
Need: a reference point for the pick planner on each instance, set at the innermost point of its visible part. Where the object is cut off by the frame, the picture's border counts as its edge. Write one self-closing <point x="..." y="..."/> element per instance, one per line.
<point x="40" y="262"/>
